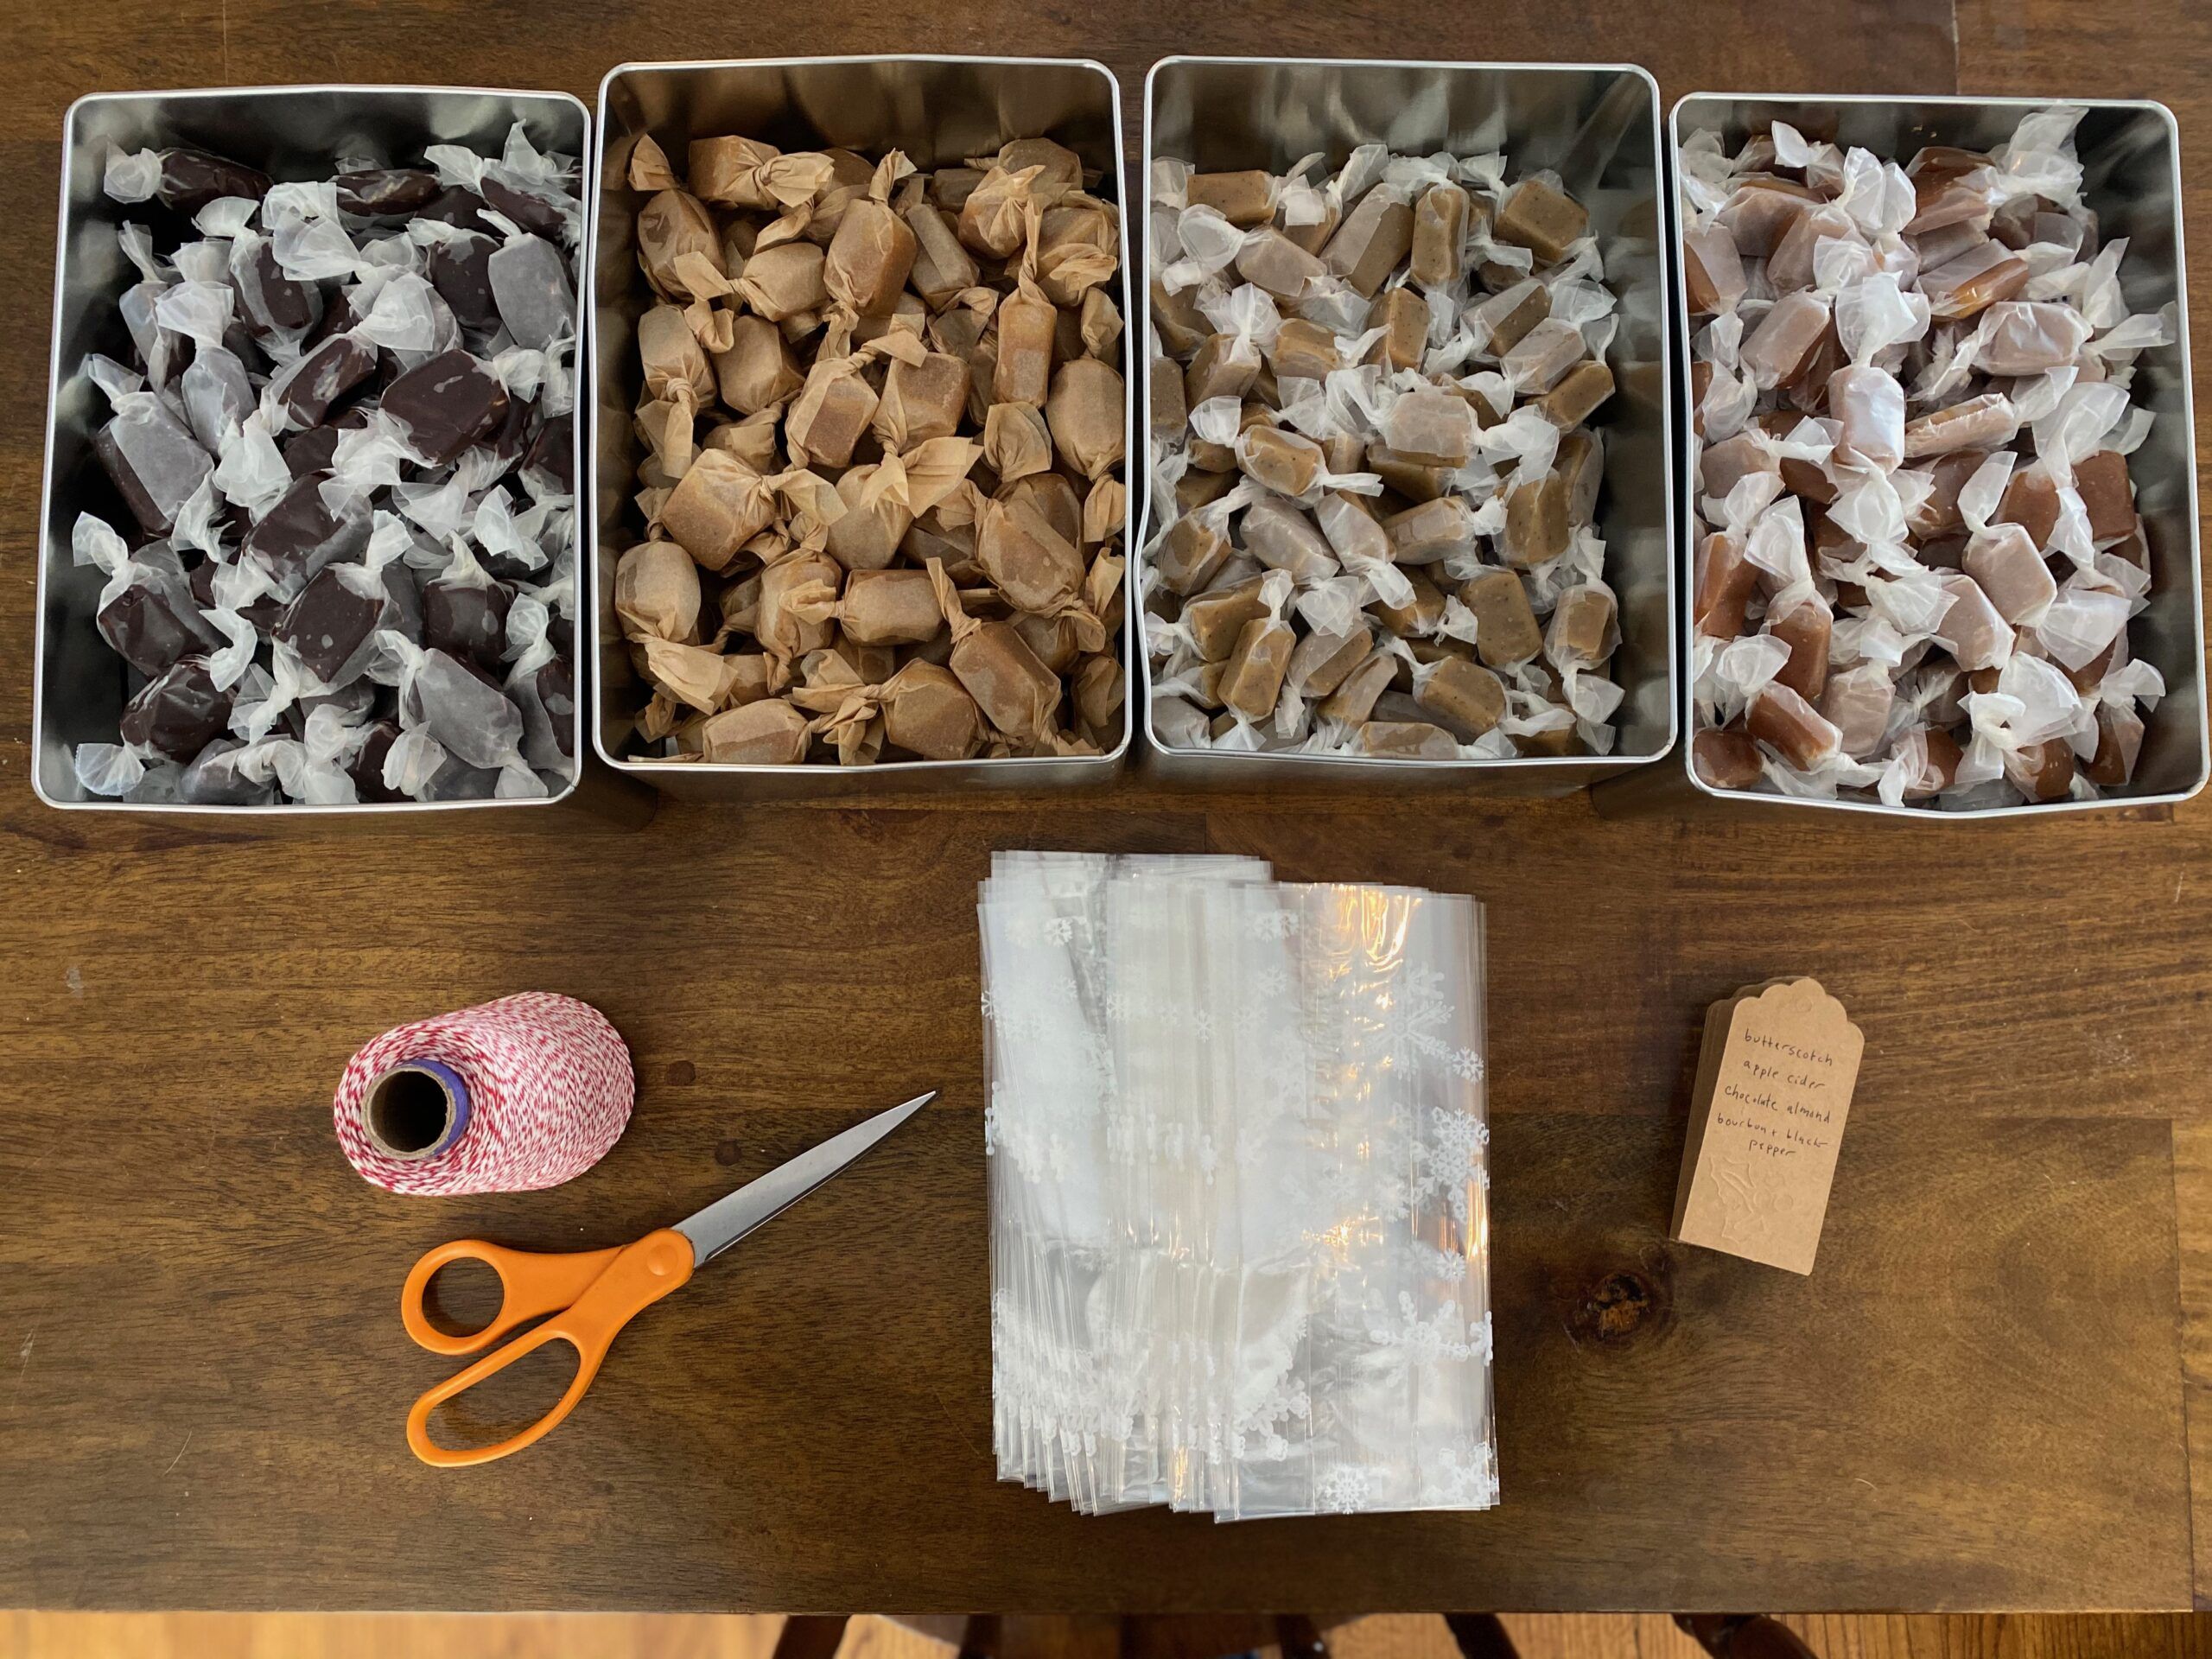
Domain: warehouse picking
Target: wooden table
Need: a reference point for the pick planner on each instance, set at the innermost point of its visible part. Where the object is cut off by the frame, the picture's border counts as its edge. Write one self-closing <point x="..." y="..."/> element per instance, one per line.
<point x="1982" y="1399"/>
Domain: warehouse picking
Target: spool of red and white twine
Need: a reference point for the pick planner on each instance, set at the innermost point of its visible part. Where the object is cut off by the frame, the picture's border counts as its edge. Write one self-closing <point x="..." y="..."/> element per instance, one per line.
<point x="523" y="1093"/>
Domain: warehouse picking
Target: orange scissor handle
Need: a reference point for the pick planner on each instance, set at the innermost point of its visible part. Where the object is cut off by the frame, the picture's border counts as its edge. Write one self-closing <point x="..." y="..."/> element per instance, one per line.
<point x="532" y="1285"/>
<point x="591" y="1297"/>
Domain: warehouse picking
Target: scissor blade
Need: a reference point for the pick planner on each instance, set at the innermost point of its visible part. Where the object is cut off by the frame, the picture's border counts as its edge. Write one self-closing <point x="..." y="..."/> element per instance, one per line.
<point x="728" y="1219"/>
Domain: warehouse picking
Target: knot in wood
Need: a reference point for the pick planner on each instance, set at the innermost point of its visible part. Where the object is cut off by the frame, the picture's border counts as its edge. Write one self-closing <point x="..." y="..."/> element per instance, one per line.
<point x="1622" y="1307"/>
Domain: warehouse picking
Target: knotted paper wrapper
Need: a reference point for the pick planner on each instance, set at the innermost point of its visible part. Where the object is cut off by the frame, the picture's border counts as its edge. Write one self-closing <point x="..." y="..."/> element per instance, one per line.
<point x="768" y="732"/>
<point x="717" y="507"/>
<point x="744" y="172"/>
<point x="656" y="593"/>
<point x="874" y="250"/>
<point x="1018" y="694"/>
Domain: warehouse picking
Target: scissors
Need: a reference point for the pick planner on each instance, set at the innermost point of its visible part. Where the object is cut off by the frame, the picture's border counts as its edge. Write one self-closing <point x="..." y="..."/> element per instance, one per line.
<point x="592" y="1295"/>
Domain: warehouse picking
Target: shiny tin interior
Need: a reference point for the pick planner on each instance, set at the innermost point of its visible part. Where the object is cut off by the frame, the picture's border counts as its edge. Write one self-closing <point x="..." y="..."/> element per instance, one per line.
<point x="80" y="685"/>
<point x="938" y="110"/>
<point x="1598" y="127"/>
<point x="2131" y="156"/>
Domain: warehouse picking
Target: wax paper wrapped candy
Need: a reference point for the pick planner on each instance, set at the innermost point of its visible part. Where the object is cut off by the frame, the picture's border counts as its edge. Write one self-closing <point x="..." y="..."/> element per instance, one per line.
<point x="178" y="712"/>
<point x="180" y="179"/>
<point x="445" y="406"/>
<point x="448" y="714"/>
<point x="330" y="625"/>
<point x="147" y="612"/>
<point x="531" y="288"/>
<point x="293" y="331"/>
<point x="464" y="608"/>
<point x="149" y="452"/>
<point x="523" y="184"/>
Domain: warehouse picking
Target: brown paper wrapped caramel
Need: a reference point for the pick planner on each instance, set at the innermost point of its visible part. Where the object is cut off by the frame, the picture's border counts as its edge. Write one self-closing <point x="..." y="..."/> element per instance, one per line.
<point x="769" y="733"/>
<point x="874" y="250"/>
<point x="926" y="711"/>
<point x="656" y="593"/>
<point x="889" y="608"/>
<point x="717" y="507"/>
<point x="752" y="440"/>
<point x="744" y="172"/>
<point x="1017" y="443"/>
<point x="783" y="282"/>
<point x="1085" y="412"/>
<point x="796" y="595"/>
<point x="1027" y="323"/>
<point x="1000" y="218"/>
<point x="698" y="676"/>
<point x="1026" y="558"/>
<point x="1100" y="326"/>
<point x="757" y="370"/>
<point x="1018" y="694"/>
<point x="671" y="226"/>
<point x="1058" y="168"/>
<point x="1078" y="247"/>
<point x="648" y="170"/>
<point x="921" y="400"/>
<point x="834" y="409"/>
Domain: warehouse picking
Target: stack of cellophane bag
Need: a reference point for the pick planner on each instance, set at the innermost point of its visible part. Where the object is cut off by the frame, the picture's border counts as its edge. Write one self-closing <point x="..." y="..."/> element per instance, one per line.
<point x="1239" y="1197"/>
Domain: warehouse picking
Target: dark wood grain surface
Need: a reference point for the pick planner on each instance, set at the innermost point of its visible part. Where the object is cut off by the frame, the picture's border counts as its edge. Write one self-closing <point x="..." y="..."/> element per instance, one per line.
<point x="1979" y="1399"/>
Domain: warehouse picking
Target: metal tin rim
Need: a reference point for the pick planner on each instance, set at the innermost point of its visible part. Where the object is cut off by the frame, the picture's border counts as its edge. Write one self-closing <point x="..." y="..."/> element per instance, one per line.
<point x="282" y="809"/>
<point x="1012" y="766"/>
<point x="1412" y="766"/>
<point x="1686" y="622"/>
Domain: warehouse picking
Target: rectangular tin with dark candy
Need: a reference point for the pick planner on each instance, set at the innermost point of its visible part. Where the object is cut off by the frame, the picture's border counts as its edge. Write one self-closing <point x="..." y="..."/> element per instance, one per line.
<point x="80" y="685"/>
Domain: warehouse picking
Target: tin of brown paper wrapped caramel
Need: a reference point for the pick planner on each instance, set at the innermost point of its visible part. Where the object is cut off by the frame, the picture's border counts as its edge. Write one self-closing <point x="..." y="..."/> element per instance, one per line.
<point x="882" y="428"/>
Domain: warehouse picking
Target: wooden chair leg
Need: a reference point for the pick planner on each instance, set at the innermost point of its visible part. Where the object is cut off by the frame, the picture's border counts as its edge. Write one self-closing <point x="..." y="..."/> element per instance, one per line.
<point x="1743" y="1636"/>
<point x="810" y="1636"/>
<point x="979" y="1637"/>
<point x="1481" y="1636"/>
<point x="1300" y="1637"/>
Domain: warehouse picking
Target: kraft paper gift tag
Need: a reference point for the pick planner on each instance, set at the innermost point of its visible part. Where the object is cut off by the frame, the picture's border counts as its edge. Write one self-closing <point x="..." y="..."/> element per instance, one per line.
<point x="1773" y="1085"/>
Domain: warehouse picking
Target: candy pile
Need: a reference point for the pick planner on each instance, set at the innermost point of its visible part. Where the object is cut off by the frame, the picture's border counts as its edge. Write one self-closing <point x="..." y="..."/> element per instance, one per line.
<point x="884" y="421"/>
<point x="1373" y="483"/>
<point x="344" y="446"/>
<point x="1918" y="552"/>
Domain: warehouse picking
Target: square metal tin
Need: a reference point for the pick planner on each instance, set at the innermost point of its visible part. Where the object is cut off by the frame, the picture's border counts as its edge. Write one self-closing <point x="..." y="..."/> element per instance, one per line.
<point x="2131" y="155"/>
<point x="934" y="108"/>
<point x="78" y="684"/>
<point x="1598" y="126"/>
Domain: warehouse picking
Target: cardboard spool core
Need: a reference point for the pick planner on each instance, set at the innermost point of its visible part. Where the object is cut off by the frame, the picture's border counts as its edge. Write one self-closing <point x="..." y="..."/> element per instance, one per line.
<point x="410" y="1112"/>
